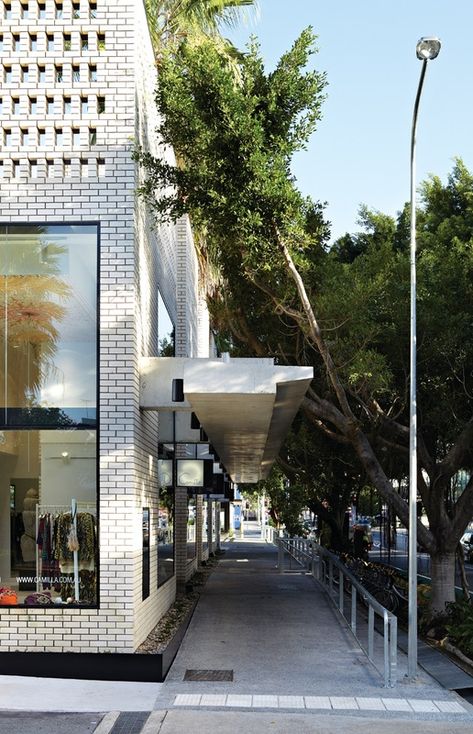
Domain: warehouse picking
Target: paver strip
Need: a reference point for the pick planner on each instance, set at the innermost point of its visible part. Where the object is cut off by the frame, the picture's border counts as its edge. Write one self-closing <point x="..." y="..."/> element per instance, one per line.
<point x="332" y="703"/>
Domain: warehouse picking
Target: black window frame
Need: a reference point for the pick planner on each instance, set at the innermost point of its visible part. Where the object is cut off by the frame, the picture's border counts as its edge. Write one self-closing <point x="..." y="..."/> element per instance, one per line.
<point x="5" y="427"/>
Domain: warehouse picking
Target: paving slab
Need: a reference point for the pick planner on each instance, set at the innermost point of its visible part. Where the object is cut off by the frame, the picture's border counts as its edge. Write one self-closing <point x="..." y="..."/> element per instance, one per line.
<point x="24" y="693"/>
<point x="287" y="648"/>
<point x="295" y="665"/>
<point x="231" y="722"/>
<point x="439" y="666"/>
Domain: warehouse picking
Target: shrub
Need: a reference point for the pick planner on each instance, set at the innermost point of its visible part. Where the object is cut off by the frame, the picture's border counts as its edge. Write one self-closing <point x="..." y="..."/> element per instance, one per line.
<point x="460" y="626"/>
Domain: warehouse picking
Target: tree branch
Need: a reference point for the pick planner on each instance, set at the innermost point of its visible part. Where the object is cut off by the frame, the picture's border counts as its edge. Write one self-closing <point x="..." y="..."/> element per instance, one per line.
<point x="463" y="508"/>
<point x="289" y="470"/>
<point x="379" y="479"/>
<point x="314" y="329"/>
<point x="292" y="313"/>
<point x="326" y="411"/>
<point x="245" y="334"/>
<point x="455" y="458"/>
<point x="398" y="430"/>
<point x="338" y="437"/>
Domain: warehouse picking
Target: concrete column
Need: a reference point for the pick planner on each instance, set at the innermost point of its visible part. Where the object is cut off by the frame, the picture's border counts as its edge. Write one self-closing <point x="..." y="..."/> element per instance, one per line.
<point x="209" y="526"/>
<point x="199" y="503"/>
<point x="180" y="534"/>
<point x="217" y="524"/>
<point x="226" y="512"/>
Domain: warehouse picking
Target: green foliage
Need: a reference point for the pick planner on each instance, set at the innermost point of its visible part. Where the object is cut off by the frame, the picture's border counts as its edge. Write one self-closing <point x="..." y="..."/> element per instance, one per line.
<point x="235" y="129"/>
<point x="327" y="477"/>
<point x="236" y="134"/>
<point x="166" y="346"/>
<point x="460" y="626"/>
<point x="375" y="318"/>
<point x="286" y="500"/>
<point x="367" y="501"/>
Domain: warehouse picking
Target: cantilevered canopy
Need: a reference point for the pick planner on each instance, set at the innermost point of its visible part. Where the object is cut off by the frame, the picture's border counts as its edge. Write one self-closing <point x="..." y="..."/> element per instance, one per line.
<point x="246" y="406"/>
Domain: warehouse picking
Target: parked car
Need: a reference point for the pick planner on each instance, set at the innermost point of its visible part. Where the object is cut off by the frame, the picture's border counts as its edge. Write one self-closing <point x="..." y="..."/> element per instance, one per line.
<point x="467" y="544"/>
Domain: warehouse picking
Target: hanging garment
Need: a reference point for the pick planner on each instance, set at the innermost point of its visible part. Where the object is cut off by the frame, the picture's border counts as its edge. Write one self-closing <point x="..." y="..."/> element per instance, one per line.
<point x="49" y="564"/>
<point x="86" y="538"/>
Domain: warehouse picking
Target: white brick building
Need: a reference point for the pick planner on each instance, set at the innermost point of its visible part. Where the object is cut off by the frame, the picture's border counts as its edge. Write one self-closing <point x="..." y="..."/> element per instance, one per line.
<point x="77" y="82"/>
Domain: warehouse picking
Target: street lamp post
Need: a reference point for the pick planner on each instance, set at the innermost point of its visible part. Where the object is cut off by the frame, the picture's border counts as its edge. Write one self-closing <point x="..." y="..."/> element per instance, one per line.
<point x="427" y="48"/>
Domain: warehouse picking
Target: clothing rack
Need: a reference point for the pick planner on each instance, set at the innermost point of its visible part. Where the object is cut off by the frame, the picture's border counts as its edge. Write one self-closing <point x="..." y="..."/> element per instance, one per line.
<point x="73" y="508"/>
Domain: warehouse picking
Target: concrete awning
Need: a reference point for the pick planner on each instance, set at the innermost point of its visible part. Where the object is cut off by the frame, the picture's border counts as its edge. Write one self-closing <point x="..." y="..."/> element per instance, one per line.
<point x="246" y="406"/>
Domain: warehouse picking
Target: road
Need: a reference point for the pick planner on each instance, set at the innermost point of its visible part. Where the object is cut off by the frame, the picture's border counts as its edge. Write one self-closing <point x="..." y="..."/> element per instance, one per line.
<point x="40" y="722"/>
<point x="398" y="556"/>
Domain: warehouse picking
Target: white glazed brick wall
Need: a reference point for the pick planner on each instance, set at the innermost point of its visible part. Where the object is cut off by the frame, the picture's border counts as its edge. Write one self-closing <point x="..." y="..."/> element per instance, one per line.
<point x="203" y="328"/>
<point x="187" y="292"/>
<point x="155" y="266"/>
<point x="130" y="272"/>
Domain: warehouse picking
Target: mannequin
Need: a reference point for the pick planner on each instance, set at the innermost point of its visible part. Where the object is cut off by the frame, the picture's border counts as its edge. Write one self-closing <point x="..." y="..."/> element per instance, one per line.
<point x="28" y="539"/>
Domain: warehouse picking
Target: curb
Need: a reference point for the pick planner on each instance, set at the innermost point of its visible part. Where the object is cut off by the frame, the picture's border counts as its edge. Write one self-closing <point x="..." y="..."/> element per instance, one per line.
<point x="107" y="723"/>
<point x="153" y="723"/>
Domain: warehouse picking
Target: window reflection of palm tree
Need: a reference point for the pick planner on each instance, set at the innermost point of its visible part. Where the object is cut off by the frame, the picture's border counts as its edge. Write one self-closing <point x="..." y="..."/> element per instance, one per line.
<point x="31" y="292"/>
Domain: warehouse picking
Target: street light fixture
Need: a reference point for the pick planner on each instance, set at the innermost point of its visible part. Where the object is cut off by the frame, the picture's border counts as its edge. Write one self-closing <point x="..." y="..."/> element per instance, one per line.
<point x="427" y="48"/>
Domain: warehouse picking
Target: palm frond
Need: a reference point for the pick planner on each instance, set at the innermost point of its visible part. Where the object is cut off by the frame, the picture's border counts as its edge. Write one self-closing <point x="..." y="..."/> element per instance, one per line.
<point x="172" y="20"/>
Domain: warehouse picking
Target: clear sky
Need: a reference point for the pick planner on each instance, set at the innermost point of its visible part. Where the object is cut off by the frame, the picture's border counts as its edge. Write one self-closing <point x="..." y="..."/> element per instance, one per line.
<point x="360" y="152"/>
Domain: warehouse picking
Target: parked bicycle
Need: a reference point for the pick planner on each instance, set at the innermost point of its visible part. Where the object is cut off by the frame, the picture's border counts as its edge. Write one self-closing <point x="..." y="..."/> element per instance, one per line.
<point x="382" y="582"/>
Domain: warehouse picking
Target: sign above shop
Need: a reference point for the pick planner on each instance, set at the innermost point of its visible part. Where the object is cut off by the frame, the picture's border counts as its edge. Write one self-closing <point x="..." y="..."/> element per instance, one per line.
<point x="194" y="473"/>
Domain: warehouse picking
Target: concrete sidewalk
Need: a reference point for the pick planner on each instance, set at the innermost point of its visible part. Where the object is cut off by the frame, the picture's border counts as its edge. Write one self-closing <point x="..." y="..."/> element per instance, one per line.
<point x="231" y="722"/>
<point x="286" y="649"/>
<point x="292" y="664"/>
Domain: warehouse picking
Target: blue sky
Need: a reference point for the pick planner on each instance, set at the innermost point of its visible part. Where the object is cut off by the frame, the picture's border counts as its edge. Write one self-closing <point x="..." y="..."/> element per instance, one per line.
<point x="360" y="152"/>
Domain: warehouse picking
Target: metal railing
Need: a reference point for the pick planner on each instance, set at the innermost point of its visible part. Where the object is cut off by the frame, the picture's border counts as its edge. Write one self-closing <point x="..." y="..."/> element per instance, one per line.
<point x="271" y="534"/>
<point x="345" y="591"/>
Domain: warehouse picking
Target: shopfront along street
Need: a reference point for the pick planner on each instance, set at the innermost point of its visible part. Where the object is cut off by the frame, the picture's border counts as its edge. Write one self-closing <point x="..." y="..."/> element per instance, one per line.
<point x="261" y="646"/>
<point x="163" y="376"/>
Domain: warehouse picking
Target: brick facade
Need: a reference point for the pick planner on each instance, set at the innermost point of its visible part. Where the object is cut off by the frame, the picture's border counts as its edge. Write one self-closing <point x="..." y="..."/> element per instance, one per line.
<point x="76" y="92"/>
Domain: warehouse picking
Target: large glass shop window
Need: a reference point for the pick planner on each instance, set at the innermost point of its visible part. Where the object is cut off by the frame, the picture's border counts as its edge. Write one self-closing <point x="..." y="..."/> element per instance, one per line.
<point x="48" y="404"/>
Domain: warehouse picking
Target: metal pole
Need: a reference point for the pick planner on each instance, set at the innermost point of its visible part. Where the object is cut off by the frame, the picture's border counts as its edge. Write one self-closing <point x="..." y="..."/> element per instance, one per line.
<point x="280" y="556"/>
<point x="75" y="553"/>
<point x="412" y="587"/>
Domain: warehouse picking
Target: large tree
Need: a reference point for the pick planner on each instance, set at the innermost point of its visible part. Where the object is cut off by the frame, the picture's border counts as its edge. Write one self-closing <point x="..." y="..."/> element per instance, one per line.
<point x="329" y="478"/>
<point x="280" y="291"/>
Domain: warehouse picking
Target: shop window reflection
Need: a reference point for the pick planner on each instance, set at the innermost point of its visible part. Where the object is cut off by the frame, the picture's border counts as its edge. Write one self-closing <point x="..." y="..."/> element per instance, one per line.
<point x="165" y="534"/>
<point x="205" y="536"/>
<point x="48" y="325"/>
<point x="191" y="527"/>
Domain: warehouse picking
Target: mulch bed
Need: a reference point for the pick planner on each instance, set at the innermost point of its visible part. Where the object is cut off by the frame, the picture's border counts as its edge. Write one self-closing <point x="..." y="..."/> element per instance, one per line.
<point x="160" y="637"/>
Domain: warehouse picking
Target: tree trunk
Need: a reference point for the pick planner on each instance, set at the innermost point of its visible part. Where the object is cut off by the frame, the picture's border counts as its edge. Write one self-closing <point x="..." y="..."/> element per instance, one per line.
<point x="443" y="581"/>
<point x="337" y="539"/>
<point x="463" y="576"/>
